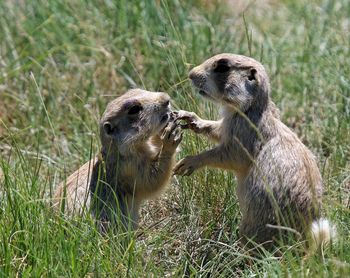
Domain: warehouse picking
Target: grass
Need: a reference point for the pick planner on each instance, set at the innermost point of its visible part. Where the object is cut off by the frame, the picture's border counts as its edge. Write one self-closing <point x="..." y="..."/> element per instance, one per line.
<point x="62" y="61"/>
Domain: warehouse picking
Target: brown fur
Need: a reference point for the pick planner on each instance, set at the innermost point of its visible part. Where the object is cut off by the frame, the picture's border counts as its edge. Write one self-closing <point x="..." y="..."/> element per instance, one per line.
<point x="279" y="184"/>
<point x="135" y="162"/>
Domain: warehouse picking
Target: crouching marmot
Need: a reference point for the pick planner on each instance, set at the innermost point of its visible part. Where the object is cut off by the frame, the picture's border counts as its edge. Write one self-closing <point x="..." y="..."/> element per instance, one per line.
<point x="138" y="141"/>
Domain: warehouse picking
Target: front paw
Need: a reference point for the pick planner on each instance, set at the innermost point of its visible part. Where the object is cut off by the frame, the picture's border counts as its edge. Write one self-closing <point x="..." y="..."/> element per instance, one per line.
<point x="171" y="137"/>
<point x="186" y="166"/>
<point x="192" y="121"/>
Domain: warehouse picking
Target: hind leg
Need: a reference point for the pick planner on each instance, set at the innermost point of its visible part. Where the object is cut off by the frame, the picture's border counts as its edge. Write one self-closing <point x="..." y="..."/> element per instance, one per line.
<point x="254" y="235"/>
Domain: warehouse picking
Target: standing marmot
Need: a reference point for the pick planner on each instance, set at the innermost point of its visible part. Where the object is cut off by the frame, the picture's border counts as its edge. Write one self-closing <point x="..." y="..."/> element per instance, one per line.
<point x="279" y="184"/>
<point x="135" y="161"/>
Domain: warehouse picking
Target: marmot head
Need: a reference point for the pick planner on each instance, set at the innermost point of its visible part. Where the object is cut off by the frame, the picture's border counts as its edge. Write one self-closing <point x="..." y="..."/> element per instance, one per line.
<point x="132" y="118"/>
<point x="235" y="81"/>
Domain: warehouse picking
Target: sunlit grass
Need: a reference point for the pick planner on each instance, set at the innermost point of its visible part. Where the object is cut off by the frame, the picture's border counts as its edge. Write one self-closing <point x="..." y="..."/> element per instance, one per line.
<point x="62" y="61"/>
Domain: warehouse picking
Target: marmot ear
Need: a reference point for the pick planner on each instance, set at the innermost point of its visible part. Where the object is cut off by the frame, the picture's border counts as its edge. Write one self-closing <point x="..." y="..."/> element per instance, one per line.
<point x="107" y="127"/>
<point x="110" y="130"/>
<point x="253" y="74"/>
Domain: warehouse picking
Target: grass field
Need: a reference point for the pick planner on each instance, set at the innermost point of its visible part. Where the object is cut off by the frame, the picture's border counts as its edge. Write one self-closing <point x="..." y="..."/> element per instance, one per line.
<point x="62" y="61"/>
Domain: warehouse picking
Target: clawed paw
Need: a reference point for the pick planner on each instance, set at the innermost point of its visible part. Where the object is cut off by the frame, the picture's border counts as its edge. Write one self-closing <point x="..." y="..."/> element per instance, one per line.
<point x="192" y="121"/>
<point x="186" y="166"/>
<point x="172" y="136"/>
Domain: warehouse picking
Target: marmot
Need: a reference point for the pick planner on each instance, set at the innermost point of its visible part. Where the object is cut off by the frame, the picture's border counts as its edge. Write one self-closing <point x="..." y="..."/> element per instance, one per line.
<point x="279" y="184"/>
<point x="138" y="141"/>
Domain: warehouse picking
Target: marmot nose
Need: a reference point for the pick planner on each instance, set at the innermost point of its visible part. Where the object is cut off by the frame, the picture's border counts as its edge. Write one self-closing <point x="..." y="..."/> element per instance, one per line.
<point x="166" y="103"/>
<point x="192" y="74"/>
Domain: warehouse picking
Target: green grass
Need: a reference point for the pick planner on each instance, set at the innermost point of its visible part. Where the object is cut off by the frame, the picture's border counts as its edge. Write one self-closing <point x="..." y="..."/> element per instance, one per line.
<point x="62" y="61"/>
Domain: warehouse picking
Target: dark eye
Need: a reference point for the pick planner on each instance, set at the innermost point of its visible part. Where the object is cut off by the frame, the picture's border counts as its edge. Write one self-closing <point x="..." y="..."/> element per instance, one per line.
<point x="222" y="66"/>
<point x="135" y="109"/>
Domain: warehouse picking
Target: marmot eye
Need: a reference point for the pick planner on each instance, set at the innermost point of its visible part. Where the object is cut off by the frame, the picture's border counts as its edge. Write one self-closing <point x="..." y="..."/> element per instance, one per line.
<point x="135" y="109"/>
<point x="221" y="67"/>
